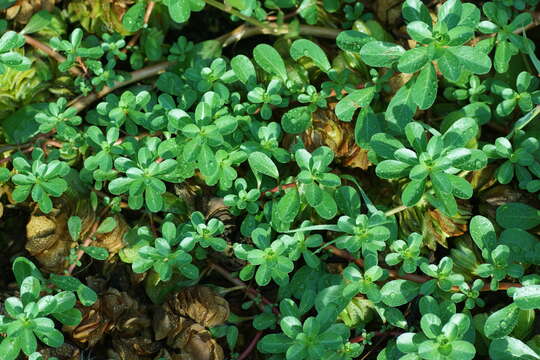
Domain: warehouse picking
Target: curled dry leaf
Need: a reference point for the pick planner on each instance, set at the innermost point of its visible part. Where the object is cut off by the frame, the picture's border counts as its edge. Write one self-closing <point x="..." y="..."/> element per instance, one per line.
<point x="22" y="10"/>
<point x="114" y="311"/>
<point x="134" y="348"/>
<point x="99" y="15"/>
<point x="49" y="241"/>
<point x="66" y="351"/>
<point x="183" y="319"/>
<point x="113" y="241"/>
<point x="200" y="304"/>
<point x="388" y="11"/>
<point x="436" y="227"/>
<point x="327" y="130"/>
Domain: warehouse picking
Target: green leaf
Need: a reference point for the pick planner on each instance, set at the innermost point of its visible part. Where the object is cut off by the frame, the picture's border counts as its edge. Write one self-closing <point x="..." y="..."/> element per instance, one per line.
<point x="239" y="4"/>
<point x="30" y="289"/>
<point x="503" y="53"/>
<point x="399" y="292"/>
<point x="346" y="107"/>
<point x="10" y="40"/>
<point x="49" y="336"/>
<point x="65" y="282"/>
<point x="502" y="322"/>
<point x="518" y="215"/>
<point x="74" y="227"/>
<point x="367" y="124"/>
<point x="307" y="48"/>
<point x="289" y="205"/>
<point x="96" y="252"/>
<point x="153" y="199"/>
<point x="270" y="61"/>
<point x="348" y="200"/>
<point x="106" y="225"/>
<point x="244" y="69"/>
<point x="22" y="268"/>
<point x="508" y="348"/>
<point x="391" y="169"/>
<point x="261" y="163"/>
<point x="450" y="66"/>
<point x="352" y="40"/>
<point x="483" y="234"/>
<point x="420" y="32"/>
<point x="415" y="10"/>
<point x="413" y="60"/>
<point x="450" y="13"/>
<point x="424" y="90"/>
<point x="380" y="53"/>
<point x="133" y="19"/>
<point x="10" y="348"/>
<point x="71" y="317"/>
<point x="206" y="160"/>
<point x="39" y="20"/>
<point x="327" y="207"/>
<point x="86" y="295"/>
<point x="296" y="120"/>
<point x="413" y="192"/>
<point x="21" y="126"/>
<point x="401" y="109"/>
<point x="179" y="10"/>
<point x="527" y="297"/>
<point x="274" y="344"/>
<point x="472" y="58"/>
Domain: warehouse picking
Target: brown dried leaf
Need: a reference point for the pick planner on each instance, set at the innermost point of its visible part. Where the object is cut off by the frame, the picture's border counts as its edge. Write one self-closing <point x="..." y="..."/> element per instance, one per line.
<point x="201" y="304"/>
<point x="114" y="311"/>
<point x="183" y="319"/>
<point x="327" y="130"/>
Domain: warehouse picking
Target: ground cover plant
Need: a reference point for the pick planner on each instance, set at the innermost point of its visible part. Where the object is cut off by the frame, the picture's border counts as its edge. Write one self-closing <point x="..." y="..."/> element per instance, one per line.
<point x="278" y="179"/>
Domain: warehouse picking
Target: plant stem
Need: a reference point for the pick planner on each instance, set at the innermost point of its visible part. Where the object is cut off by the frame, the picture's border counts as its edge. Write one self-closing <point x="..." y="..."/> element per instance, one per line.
<point x="379" y="333"/>
<point x="244" y="32"/>
<point x="411" y="277"/>
<point x="396" y="210"/>
<point x="251" y="293"/>
<point x="36" y="44"/>
<point x="279" y="188"/>
<point x="147" y="14"/>
<point x="233" y="11"/>
<point x="81" y="102"/>
<point x="251" y="346"/>
<point x="88" y="239"/>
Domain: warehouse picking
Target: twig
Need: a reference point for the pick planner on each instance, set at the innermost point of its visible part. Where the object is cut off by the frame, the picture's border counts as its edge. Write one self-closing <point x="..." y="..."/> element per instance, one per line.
<point x="36" y="44"/>
<point x="250" y="292"/>
<point x="81" y="102"/>
<point x="233" y="11"/>
<point x="251" y="346"/>
<point x="243" y="32"/>
<point x="411" y="277"/>
<point x="279" y="188"/>
<point x="379" y="333"/>
<point x="88" y="239"/>
<point x="147" y="14"/>
<point x="395" y="210"/>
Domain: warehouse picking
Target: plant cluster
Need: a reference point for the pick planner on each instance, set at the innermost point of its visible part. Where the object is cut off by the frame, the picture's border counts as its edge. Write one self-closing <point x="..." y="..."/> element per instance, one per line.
<point x="372" y="188"/>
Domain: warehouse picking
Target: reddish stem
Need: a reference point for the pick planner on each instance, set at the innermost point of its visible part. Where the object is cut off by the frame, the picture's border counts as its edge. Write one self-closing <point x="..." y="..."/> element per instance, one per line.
<point x="379" y="333"/>
<point x="88" y="240"/>
<point x="50" y="52"/>
<point x="252" y="293"/>
<point x="412" y="277"/>
<point x="147" y="14"/>
<point x="285" y="17"/>
<point x="279" y="188"/>
<point x="251" y="346"/>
